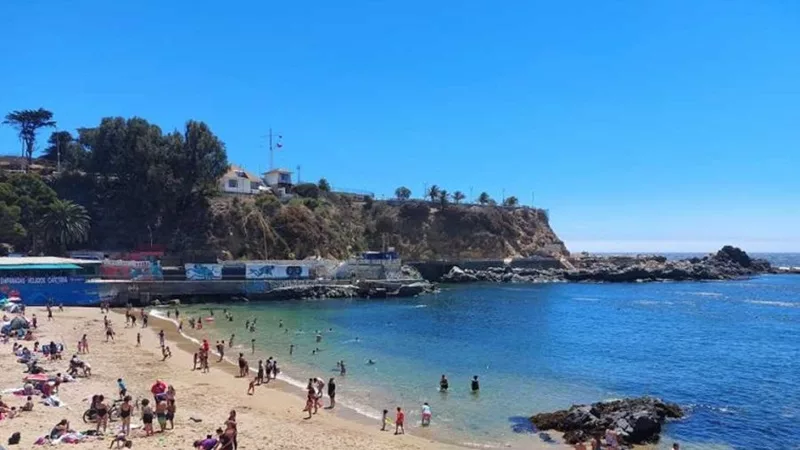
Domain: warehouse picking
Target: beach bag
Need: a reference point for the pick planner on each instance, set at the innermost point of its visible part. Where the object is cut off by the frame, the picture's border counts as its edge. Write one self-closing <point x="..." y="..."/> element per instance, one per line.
<point x="14" y="439"/>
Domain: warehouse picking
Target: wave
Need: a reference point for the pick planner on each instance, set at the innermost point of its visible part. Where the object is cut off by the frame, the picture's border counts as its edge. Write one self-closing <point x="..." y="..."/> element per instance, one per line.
<point x="706" y="294"/>
<point x="652" y="302"/>
<point x="773" y="303"/>
<point x="419" y="306"/>
<point x="360" y="409"/>
<point x="586" y="299"/>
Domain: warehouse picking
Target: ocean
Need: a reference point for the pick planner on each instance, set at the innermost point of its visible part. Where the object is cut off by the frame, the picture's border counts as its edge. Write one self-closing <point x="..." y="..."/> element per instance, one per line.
<point x="728" y="352"/>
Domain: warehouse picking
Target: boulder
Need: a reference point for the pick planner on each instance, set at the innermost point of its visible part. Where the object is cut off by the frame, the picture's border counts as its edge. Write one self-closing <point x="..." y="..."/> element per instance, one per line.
<point x="635" y="420"/>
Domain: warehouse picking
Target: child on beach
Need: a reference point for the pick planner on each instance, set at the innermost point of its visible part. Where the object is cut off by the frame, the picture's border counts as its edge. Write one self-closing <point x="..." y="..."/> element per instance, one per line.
<point x="125" y="412"/>
<point x="122" y="388"/>
<point x="399" y="420"/>
<point x="161" y="415"/>
<point x="171" y="408"/>
<point x="147" y="417"/>
<point x="122" y="441"/>
<point x="252" y="388"/>
<point x="166" y="353"/>
<point x="384" y="419"/>
<point x="426" y="414"/>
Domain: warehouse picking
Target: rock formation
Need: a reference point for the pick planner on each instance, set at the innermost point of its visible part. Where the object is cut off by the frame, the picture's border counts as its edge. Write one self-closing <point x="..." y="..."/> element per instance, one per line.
<point x="728" y="263"/>
<point x="635" y="420"/>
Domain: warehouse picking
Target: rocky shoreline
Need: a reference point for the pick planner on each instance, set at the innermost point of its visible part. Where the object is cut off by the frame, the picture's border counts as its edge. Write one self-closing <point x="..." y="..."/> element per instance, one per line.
<point x="367" y="289"/>
<point x="728" y="263"/>
<point x="633" y="420"/>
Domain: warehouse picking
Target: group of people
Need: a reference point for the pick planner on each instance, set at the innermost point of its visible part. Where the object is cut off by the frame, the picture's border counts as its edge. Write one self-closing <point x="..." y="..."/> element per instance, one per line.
<point x="224" y="439"/>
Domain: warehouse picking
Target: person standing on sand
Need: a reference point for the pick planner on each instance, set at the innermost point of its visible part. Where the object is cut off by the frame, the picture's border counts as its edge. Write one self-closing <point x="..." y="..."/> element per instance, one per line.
<point x="125" y="411"/>
<point x="260" y="374"/>
<point x="147" y="417"/>
<point x="85" y="344"/>
<point x="161" y="338"/>
<point x="332" y="392"/>
<point x="399" y="421"/>
<point x="311" y="394"/>
<point x="221" y="350"/>
<point x="384" y="419"/>
<point x="138" y="339"/>
<point x="242" y="366"/>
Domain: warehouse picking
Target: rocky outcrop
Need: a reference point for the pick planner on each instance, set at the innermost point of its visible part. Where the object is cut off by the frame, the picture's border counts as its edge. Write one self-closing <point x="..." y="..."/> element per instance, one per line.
<point x="728" y="263"/>
<point x="361" y="290"/>
<point x="635" y="420"/>
<point x="336" y="226"/>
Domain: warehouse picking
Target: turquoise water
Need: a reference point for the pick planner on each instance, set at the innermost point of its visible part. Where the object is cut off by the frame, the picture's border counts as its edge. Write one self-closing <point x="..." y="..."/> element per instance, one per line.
<point x="727" y="351"/>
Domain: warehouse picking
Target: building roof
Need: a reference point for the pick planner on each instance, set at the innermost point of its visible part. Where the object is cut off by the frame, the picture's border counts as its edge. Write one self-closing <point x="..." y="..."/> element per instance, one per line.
<point x="236" y="171"/>
<point x="17" y="261"/>
<point x="279" y="171"/>
<point x="39" y="267"/>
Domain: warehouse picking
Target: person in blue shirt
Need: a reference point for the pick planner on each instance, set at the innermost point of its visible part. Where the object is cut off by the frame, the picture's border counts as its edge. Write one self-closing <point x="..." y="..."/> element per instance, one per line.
<point x="122" y="388"/>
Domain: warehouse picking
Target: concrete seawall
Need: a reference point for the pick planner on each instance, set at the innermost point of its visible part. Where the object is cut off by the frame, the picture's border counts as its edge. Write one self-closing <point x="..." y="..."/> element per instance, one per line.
<point x="435" y="270"/>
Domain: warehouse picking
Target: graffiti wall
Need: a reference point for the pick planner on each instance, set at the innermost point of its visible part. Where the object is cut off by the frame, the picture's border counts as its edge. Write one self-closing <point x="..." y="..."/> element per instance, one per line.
<point x="275" y="272"/>
<point x="203" y="271"/>
<point x="131" y="270"/>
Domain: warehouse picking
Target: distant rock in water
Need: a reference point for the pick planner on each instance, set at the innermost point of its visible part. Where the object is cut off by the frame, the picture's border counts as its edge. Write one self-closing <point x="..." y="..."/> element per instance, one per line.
<point x="635" y="420"/>
<point x="728" y="263"/>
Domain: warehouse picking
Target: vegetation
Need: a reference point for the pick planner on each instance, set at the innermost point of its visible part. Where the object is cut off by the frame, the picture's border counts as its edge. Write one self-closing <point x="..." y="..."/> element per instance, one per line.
<point x="125" y="183"/>
<point x="402" y="193"/>
<point x="28" y="122"/>
<point x="511" y="201"/>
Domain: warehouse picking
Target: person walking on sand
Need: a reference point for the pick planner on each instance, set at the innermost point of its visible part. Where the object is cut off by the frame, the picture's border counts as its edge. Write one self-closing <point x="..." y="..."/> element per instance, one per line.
<point x="384" y="419"/>
<point x="399" y="420"/>
<point x="171" y="408"/>
<point x="242" y="366"/>
<point x="230" y="342"/>
<point x="85" y="344"/>
<point x="138" y="339"/>
<point x="332" y="392"/>
<point x="161" y="338"/>
<point x="311" y="394"/>
<point x="251" y="388"/>
<point x="109" y="333"/>
<point x="221" y="350"/>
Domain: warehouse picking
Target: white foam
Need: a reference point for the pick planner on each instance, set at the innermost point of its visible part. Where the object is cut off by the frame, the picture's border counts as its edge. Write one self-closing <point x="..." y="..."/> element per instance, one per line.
<point x="773" y="303"/>
<point x="706" y="294"/>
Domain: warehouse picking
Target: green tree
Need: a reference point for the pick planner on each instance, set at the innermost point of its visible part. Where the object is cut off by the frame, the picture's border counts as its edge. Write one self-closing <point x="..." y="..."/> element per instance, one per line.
<point x="27" y="122"/>
<point x="484" y="198"/>
<point x="63" y="146"/>
<point x="433" y="192"/>
<point x="402" y="193"/>
<point x="458" y="196"/>
<point x="65" y="223"/>
<point x="324" y="186"/>
<point x="511" y="201"/>
<point x="443" y="196"/>
<point x="33" y="197"/>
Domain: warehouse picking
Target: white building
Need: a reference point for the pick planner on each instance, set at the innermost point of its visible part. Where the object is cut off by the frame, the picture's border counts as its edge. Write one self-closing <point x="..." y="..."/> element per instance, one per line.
<point x="278" y="178"/>
<point x="239" y="181"/>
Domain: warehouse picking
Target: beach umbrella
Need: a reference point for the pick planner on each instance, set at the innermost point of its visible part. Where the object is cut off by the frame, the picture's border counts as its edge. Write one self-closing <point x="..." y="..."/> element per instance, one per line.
<point x="17" y="323"/>
<point x="14" y="299"/>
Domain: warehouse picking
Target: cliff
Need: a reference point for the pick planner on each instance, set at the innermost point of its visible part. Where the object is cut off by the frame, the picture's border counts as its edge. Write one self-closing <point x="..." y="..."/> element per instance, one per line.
<point x="318" y="223"/>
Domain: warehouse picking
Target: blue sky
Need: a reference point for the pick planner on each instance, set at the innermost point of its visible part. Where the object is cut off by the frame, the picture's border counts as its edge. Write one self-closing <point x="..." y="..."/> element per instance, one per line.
<point x="641" y="126"/>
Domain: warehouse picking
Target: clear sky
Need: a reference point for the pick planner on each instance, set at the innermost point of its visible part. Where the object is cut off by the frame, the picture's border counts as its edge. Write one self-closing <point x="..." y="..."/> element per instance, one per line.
<point x="641" y="125"/>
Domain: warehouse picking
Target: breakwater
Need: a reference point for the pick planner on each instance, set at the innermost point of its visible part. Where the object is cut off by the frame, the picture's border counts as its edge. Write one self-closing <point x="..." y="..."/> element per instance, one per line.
<point x="143" y="292"/>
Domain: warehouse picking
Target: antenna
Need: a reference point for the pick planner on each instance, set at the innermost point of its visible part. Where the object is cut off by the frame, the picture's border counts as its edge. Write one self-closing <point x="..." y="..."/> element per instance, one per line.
<point x="298" y="174"/>
<point x="278" y="146"/>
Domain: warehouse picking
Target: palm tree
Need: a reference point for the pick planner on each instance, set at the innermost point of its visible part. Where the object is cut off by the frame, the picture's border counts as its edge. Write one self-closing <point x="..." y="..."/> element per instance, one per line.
<point x="511" y="201"/>
<point x="443" y="195"/>
<point x="484" y="198"/>
<point x="27" y="122"/>
<point x="65" y="223"/>
<point x="458" y="196"/>
<point x="402" y="193"/>
<point x="433" y="192"/>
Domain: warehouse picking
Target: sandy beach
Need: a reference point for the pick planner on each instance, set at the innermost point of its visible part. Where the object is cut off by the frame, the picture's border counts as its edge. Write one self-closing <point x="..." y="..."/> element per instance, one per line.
<point x="270" y="419"/>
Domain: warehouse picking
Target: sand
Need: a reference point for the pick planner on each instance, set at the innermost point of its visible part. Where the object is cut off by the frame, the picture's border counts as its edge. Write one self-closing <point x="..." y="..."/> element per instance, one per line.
<point x="270" y="419"/>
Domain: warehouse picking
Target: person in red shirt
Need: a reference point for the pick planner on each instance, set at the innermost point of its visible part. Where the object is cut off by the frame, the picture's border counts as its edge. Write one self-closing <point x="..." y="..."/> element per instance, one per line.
<point x="398" y="422"/>
<point x="158" y="390"/>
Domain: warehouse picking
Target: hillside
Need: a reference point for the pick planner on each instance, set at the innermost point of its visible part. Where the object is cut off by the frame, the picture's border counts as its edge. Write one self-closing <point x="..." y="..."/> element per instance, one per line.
<point x="329" y="225"/>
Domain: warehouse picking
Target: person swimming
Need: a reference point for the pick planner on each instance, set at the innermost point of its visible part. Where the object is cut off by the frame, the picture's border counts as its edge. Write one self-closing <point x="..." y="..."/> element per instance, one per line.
<point x="371" y="362"/>
<point x="475" y="385"/>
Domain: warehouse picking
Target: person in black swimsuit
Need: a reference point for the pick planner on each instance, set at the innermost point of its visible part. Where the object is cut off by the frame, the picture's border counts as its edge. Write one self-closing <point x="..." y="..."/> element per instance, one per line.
<point x="102" y="413"/>
<point x="125" y="411"/>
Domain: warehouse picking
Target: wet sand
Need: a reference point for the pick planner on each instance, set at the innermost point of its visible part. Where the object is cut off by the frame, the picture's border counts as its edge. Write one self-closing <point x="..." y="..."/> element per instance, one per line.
<point x="270" y="419"/>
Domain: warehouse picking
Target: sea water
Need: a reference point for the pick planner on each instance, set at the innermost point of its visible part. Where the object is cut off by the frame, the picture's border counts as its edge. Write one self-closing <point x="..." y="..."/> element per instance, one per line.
<point x="728" y="352"/>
